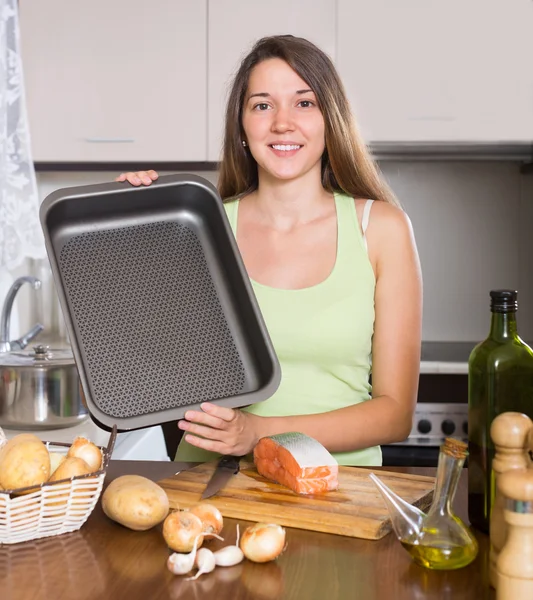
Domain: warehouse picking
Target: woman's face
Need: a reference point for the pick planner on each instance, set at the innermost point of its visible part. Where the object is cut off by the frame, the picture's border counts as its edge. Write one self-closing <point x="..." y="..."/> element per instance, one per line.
<point x="282" y="123"/>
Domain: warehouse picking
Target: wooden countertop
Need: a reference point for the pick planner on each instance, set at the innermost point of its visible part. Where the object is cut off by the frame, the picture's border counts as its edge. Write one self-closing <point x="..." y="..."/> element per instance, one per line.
<point x="106" y="561"/>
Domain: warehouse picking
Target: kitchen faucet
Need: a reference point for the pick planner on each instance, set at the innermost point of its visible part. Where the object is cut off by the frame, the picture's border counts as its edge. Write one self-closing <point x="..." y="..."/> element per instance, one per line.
<point x="5" y="318"/>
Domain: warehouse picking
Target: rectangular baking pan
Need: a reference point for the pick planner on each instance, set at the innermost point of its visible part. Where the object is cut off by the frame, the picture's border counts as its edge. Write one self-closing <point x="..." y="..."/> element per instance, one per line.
<point x="157" y="303"/>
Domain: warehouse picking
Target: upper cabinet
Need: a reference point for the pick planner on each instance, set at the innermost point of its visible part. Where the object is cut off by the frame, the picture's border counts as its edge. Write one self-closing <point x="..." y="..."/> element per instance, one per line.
<point x="234" y="25"/>
<point x="147" y="82"/>
<point x="115" y="81"/>
<point x="435" y="70"/>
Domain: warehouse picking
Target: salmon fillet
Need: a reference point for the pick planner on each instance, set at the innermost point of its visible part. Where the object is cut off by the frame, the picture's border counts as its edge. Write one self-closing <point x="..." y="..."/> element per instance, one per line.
<point x="298" y="462"/>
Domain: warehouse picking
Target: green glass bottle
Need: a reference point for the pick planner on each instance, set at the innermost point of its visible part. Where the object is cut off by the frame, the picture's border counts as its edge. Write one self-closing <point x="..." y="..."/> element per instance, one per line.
<point x="500" y="379"/>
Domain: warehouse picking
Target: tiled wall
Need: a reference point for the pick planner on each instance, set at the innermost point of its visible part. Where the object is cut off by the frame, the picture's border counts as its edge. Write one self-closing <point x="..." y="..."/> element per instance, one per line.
<point x="472" y="222"/>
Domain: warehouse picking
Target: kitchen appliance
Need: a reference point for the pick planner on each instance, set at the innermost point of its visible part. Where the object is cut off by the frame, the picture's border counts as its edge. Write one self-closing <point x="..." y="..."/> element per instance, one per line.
<point x="356" y="509"/>
<point x="442" y="406"/>
<point x="159" y="309"/>
<point x="40" y="389"/>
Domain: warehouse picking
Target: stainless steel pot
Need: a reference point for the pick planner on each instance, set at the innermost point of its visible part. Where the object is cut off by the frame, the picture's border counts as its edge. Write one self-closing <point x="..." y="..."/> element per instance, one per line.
<point x="40" y="389"/>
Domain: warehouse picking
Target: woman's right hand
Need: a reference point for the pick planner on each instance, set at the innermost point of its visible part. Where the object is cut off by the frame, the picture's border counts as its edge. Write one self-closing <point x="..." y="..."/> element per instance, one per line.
<point x="139" y="177"/>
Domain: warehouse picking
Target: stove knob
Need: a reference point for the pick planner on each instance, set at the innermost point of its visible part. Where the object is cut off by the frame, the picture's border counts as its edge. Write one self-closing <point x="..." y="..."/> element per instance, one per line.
<point x="424" y="426"/>
<point x="448" y="427"/>
<point x="465" y="427"/>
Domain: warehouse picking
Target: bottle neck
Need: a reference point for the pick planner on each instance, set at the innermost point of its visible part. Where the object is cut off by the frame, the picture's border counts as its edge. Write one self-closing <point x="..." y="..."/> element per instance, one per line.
<point x="503" y="326"/>
<point x="447" y="478"/>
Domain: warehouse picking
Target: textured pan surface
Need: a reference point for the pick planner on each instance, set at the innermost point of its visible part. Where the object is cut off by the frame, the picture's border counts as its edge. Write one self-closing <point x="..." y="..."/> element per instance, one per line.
<point x="141" y="362"/>
<point x="158" y="306"/>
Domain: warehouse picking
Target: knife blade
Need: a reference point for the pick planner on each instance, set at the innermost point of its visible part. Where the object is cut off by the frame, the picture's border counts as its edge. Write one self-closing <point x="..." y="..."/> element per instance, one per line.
<point x="227" y="467"/>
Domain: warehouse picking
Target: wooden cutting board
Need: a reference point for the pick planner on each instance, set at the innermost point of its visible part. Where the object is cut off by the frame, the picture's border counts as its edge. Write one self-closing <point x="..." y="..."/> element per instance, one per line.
<point x="356" y="509"/>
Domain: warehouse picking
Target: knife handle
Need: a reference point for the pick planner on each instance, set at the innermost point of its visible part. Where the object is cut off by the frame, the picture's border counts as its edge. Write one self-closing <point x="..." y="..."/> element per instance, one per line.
<point x="230" y="462"/>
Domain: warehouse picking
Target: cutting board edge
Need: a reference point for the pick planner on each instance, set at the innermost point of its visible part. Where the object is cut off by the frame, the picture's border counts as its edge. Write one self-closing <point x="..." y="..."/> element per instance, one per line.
<point x="372" y="534"/>
<point x="367" y="528"/>
<point x="375" y="528"/>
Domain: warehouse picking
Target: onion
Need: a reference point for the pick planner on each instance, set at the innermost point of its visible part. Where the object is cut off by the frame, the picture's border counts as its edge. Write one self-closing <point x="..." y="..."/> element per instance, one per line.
<point x="210" y="516"/>
<point x="82" y="448"/>
<point x="263" y="542"/>
<point x="180" y="529"/>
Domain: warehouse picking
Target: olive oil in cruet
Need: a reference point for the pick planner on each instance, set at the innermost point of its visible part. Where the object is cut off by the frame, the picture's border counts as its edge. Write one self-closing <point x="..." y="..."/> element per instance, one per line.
<point x="438" y="539"/>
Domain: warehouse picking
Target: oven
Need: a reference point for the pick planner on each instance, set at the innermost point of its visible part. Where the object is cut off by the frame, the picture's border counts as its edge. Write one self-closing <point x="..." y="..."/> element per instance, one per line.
<point x="442" y="406"/>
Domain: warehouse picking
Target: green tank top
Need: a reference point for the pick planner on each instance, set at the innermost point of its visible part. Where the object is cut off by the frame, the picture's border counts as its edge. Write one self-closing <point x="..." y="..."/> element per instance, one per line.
<point x="322" y="336"/>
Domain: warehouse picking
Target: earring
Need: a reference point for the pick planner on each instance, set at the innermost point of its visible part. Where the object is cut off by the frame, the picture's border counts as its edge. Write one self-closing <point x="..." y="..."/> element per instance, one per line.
<point x="244" y="143"/>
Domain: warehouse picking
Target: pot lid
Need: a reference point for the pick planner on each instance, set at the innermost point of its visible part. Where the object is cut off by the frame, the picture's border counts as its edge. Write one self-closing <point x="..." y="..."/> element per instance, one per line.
<point x="39" y="356"/>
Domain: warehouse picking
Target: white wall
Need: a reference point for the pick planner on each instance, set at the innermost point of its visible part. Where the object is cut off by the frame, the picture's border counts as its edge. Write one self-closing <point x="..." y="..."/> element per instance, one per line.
<point x="472" y="222"/>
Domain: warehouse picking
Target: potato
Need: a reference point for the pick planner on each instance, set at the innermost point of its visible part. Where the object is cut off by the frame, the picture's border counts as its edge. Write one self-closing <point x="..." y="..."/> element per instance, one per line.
<point x="70" y="467"/>
<point x="135" y="502"/>
<point x="22" y="437"/>
<point x="55" y="460"/>
<point x="24" y="461"/>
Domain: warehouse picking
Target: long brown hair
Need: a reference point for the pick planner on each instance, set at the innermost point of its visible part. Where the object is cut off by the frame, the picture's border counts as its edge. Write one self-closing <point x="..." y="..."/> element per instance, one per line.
<point x="346" y="163"/>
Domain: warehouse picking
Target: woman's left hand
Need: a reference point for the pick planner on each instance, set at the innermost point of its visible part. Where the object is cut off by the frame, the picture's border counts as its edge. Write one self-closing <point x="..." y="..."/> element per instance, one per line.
<point x="220" y="429"/>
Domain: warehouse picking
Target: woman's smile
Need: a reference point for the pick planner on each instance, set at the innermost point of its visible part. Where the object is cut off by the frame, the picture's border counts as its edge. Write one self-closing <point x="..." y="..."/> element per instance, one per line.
<point x="285" y="149"/>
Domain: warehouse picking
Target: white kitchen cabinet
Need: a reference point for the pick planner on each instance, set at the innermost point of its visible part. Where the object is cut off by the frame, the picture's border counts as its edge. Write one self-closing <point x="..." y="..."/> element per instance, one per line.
<point x="234" y="26"/>
<point x="438" y="70"/>
<point x="115" y="80"/>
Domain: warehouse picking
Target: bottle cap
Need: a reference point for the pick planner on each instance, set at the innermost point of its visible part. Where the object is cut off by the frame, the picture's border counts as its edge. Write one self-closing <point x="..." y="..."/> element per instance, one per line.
<point x="503" y="300"/>
<point x="455" y="448"/>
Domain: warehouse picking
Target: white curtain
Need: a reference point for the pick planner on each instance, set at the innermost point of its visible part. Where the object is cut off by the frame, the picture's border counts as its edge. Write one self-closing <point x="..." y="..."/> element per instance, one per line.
<point x="20" y="230"/>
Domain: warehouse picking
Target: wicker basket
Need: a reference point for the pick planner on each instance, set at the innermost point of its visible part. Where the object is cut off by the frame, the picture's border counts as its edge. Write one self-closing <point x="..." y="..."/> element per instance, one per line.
<point x="52" y="508"/>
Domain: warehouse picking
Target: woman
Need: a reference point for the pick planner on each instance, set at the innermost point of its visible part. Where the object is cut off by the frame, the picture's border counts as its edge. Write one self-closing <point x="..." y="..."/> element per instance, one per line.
<point x="331" y="257"/>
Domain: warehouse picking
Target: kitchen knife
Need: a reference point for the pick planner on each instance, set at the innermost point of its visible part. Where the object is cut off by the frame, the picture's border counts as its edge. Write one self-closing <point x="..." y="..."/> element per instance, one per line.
<point x="226" y="468"/>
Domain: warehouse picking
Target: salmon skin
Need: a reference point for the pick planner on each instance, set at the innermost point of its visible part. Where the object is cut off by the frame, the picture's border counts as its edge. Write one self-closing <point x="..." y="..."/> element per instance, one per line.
<point x="298" y="462"/>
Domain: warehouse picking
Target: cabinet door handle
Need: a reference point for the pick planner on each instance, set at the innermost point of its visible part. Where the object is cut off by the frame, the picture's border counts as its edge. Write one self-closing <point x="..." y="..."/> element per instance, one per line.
<point x="97" y="140"/>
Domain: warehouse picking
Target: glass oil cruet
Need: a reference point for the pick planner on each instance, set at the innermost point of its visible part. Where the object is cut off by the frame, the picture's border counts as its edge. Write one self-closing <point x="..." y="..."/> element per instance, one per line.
<point x="438" y="539"/>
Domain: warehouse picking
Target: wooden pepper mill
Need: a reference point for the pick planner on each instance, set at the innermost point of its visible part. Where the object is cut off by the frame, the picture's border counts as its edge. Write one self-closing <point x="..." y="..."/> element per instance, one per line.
<point x="530" y="448"/>
<point x="509" y="432"/>
<point x="514" y="566"/>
